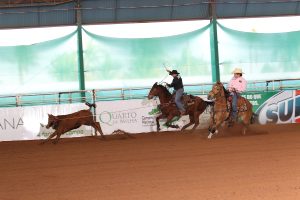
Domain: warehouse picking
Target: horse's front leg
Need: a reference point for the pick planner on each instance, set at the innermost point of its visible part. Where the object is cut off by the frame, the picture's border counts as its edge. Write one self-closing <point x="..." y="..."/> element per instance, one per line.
<point x="169" y="121"/>
<point x="213" y="127"/>
<point x="213" y="130"/>
<point x="157" y="122"/>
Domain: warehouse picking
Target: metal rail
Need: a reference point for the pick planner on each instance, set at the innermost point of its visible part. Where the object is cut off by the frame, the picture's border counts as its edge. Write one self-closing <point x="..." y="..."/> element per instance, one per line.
<point x="16" y="100"/>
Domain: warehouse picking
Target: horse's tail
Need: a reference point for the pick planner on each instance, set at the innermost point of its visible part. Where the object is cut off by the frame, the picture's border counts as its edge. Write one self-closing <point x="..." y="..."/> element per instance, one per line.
<point x="253" y="118"/>
<point x="202" y="105"/>
<point x="90" y="105"/>
<point x="209" y="103"/>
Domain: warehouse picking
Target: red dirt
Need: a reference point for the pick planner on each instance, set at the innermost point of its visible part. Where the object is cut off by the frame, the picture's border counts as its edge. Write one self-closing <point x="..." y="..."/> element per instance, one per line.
<point x="171" y="165"/>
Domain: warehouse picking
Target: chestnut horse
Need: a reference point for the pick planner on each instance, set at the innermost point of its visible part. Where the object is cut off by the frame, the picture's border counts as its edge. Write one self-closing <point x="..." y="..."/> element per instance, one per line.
<point x="222" y="108"/>
<point x="194" y="107"/>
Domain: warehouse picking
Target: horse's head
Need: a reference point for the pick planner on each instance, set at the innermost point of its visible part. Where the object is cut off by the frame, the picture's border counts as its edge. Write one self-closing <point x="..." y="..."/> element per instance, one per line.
<point x="52" y="121"/>
<point x="161" y="91"/>
<point x="153" y="92"/>
<point x="217" y="91"/>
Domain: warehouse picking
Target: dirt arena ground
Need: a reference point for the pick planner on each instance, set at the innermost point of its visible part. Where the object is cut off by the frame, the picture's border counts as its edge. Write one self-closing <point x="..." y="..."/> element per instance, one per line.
<point x="265" y="164"/>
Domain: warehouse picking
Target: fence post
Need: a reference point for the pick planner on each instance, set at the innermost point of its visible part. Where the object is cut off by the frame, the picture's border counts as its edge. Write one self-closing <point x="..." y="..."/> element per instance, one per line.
<point x="214" y="43"/>
<point x="94" y="102"/>
<point x="17" y="100"/>
<point x="80" y="51"/>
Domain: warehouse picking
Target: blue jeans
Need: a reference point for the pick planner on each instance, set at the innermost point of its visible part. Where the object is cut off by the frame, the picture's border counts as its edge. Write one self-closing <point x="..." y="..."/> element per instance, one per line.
<point x="178" y="102"/>
<point x="234" y="110"/>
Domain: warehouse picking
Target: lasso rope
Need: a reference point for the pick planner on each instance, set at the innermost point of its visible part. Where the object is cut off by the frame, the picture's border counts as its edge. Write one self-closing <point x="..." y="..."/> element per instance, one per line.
<point x="69" y="118"/>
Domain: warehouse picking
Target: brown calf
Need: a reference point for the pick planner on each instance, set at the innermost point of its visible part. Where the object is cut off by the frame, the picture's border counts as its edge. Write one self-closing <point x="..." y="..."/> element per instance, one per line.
<point x="64" y="123"/>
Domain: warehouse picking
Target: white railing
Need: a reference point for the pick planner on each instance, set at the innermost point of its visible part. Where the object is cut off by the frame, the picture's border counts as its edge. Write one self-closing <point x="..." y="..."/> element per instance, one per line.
<point x="129" y="93"/>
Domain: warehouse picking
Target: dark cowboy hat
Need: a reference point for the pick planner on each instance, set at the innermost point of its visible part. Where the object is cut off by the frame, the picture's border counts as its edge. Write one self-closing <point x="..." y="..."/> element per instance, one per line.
<point x="173" y="72"/>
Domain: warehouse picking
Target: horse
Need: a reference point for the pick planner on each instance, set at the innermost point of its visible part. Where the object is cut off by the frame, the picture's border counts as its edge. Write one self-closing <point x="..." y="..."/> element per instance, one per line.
<point x="195" y="106"/>
<point x="222" y="109"/>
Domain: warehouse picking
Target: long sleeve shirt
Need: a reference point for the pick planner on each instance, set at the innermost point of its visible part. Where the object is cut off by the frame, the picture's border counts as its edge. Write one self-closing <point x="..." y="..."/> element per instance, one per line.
<point x="238" y="84"/>
<point x="176" y="83"/>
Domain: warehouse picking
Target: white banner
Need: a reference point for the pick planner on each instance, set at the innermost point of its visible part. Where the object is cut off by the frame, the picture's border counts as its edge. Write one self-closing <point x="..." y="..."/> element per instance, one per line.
<point x="132" y="116"/>
<point x="136" y="116"/>
<point x="26" y="123"/>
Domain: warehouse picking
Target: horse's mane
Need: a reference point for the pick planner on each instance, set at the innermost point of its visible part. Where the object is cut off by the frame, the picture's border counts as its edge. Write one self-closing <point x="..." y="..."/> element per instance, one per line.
<point x="226" y="92"/>
<point x="165" y="90"/>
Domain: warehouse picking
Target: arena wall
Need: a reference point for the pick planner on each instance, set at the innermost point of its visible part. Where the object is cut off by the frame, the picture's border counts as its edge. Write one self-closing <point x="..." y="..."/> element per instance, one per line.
<point x="136" y="116"/>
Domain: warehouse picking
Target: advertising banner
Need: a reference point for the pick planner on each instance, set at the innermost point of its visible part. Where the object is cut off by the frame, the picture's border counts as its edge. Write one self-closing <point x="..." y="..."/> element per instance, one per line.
<point x="28" y="123"/>
<point x="136" y="116"/>
<point x="281" y="108"/>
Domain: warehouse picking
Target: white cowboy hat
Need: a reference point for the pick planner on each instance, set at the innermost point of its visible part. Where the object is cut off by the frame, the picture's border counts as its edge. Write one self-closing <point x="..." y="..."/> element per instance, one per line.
<point x="237" y="71"/>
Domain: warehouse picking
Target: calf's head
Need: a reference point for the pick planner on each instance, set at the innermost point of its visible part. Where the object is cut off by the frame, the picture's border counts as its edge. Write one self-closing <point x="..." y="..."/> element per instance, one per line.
<point x="52" y="121"/>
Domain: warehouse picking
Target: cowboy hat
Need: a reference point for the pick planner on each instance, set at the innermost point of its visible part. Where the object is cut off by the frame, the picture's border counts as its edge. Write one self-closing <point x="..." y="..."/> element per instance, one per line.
<point x="237" y="71"/>
<point x="173" y="72"/>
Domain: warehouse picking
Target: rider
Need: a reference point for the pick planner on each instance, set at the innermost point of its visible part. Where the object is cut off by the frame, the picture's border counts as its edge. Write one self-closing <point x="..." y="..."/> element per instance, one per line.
<point x="178" y="89"/>
<point x="236" y="86"/>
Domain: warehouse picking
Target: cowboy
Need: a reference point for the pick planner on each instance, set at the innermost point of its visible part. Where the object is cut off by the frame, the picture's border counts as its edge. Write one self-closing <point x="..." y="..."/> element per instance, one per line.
<point x="236" y="86"/>
<point x="178" y="89"/>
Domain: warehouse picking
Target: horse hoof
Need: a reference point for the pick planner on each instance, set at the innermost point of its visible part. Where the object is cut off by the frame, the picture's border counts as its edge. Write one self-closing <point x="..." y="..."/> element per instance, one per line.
<point x="210" y="135"/>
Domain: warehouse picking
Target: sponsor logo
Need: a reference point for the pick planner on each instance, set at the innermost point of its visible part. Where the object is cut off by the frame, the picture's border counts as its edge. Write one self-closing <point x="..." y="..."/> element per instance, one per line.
<point x="148" y="121"/>
<point x="111" y="118"/>
<point x="14" y="123"/>
<point x="154" y="111"/>
<point x="284" y="107"/>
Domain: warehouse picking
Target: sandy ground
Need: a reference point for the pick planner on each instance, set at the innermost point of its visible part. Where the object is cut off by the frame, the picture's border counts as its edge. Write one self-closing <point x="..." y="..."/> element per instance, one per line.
<point x="265" y="164"/>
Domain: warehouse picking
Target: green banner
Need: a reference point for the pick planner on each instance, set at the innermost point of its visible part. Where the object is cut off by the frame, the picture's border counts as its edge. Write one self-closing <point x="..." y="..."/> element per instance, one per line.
<point x="45" y="66"/>
<point x="127" y="62"/>
<point x="262" y="56"/>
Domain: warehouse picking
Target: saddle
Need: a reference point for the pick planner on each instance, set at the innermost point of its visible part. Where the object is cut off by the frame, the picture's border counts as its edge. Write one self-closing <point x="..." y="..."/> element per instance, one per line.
<point x="241" y="107"/>
<point x="241" y="102"/>
<point x="186" y="99"/>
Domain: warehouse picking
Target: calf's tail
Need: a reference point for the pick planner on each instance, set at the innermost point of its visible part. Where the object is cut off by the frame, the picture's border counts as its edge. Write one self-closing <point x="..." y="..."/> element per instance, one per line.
<point x="90" y="104"/>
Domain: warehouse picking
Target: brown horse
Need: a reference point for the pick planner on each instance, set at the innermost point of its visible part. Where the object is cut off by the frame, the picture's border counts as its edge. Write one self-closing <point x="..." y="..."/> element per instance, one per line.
<point x="222" y="108"/>
<point x="194" y="107"/>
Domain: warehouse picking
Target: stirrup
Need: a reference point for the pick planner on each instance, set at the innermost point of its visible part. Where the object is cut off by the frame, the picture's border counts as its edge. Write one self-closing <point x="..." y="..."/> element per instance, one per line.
<point x="182" y="113"/>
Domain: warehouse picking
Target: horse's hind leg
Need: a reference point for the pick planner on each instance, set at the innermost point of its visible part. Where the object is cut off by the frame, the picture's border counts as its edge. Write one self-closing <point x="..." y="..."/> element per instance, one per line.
<point x="246" y="120"/>
<point x="192" y="121"/>
<point x="245" y="127"/>
<point x="196" y="120"/>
